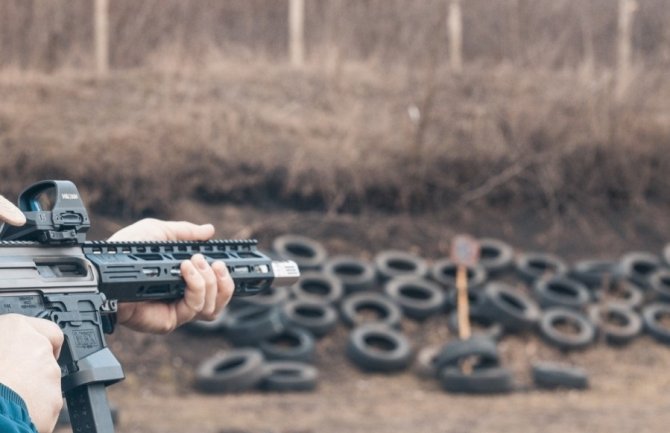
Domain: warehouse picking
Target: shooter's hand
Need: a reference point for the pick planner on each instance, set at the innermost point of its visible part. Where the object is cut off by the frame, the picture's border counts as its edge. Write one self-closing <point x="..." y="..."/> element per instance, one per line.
<point x="10" y="214"/>
<point x="28" y="366"/>
<point x="208" y="290"/>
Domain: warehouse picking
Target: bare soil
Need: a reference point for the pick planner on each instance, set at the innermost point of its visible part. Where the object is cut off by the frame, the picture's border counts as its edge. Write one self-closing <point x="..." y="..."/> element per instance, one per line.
<point x="628" y="385"/>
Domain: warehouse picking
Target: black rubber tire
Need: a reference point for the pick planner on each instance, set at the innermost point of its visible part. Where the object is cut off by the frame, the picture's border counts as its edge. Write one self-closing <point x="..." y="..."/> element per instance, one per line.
<point x="617" y="323"/>
<point x="487" y="380"/>
<point x="455" y="352"/>
<point x="666" y="255"/>
<point x="659" y="282"/>
<point x="560" y="291"/>
<point x="248" y="325"/>
<point x="205" y="327"/>
<point x="496" y="256"/>
<point x="562" y="340"/>
<point x="550" y="375"/>
<point x="270" y="297"/>
<point x="504" y="304"/>
<point x="293" y="344"/>
<point x="394" y="355"/>
<point x="638" y="267"/>
<point x="307" y="253"/>
<point x="593" y="273"/>
<point x="475" y="300"/>
<point x="651" y="318"/>
<point x="289" y="376"/>
<point x="394" y="263"/>
<point x="491" y="329"/>
<point x="424" y="364"/>
<point x="417" y="297"/>
<point x="319" y="287"/>
<point x="624" y="292"/>
<point x="387" y="312"/>
<point x="355" y="274"/>
<point x="316" y="317"/>
<point x="232" y="371"/>
<point x="444" y="272"/>
<point x="532" y="266"/>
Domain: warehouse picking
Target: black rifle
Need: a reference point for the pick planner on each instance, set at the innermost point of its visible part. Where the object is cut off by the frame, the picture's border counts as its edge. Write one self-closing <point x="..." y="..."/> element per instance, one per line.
<point x="49" y="270"/>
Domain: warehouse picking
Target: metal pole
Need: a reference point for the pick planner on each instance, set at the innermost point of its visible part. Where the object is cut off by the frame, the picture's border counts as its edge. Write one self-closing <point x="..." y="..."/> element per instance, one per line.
<point x="625" y="46"/>
<point x="101" y="25"/>
<point x="455" y="27"/>
<point x="297" y="32"/>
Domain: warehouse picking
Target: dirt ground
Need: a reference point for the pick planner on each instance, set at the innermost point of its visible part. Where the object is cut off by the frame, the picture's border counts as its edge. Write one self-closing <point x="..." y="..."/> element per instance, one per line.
<point x="628" y="385"/>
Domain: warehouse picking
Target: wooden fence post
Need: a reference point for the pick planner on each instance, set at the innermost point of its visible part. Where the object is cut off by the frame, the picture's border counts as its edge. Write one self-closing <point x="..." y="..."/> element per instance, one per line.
<point x="101" y="25"/>
<point x="627" y="9"/>
<point x="455" y="28"/>
<point x="297" y="32"/>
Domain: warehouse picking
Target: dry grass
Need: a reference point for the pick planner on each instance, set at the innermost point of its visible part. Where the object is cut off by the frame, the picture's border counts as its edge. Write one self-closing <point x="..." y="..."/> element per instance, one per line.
<point x="338" y="139"/>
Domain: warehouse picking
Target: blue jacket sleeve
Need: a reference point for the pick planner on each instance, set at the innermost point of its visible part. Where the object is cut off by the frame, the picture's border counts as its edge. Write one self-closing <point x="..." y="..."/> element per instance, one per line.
<point x="14" y="416"/>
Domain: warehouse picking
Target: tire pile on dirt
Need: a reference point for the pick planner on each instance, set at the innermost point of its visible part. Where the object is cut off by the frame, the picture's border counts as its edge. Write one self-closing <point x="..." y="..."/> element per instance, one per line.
<point x="569" y="307"/>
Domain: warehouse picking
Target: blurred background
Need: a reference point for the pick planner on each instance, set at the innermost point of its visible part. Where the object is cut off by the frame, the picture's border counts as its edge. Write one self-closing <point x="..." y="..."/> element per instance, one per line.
<point x="367" y="125"/>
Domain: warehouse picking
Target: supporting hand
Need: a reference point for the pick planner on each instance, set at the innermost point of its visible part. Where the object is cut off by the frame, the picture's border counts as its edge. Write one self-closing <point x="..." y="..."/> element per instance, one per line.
<point x="209" y="288"/>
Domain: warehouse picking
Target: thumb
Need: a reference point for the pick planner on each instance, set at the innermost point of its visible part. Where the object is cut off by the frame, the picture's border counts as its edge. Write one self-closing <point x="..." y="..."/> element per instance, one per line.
<point x="10" y="213"/>
<point x="186" y="231"/>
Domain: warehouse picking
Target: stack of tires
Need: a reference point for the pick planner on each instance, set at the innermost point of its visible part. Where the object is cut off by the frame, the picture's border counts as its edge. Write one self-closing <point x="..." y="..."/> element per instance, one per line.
<point x="274" y="335"/>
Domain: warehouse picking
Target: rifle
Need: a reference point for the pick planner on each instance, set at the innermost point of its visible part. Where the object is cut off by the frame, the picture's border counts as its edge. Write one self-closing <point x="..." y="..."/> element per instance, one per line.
<point x="49" y="270"/>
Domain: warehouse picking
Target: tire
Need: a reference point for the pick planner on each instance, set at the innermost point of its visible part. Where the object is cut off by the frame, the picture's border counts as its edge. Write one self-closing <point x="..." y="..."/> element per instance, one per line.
<point x="489" y="328"/>
<point x="638" y="267"/>
<point x="417" y="298"/>
<point x="248" y="325"/>
<point x="354" y="306"/>
<point x="488" y="380"/>
<point x="318" y="287"/>
<point x="393" y="351"/>
<point x="533" y="266"/>
<point x="307" y="253"/>
<point x="659" y="282"/>
<point x="316" y="317"/>
<point x="617" y="323"/>
<point x="549" y="375"/>
<point x="515" y="311"/>
<point x="356" y="275"/>
<point x="424" y="365"/>
<point x="293" y="344"/>
<point x="233" y="371"/>
<point x="475" y="300"/>
<point x="496" y="256"/>
<point x="393" y="263"/>
<point x="626" y="293"/>
<point x="273" y="296"/>
<point x="593" y="273"/>
<point x="559" y="291"/>
<point x="666" y="255"/>
<point x="554" y="317"/>
<point x="205" y="327"/>
<point x="651" y="315"/>
<point x="289" y="376"/>
<point x="455" y="352"/>
<point x="444" y="272"/>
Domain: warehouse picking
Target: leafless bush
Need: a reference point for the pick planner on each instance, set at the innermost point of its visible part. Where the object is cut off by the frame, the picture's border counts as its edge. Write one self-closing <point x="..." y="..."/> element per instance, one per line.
<point x="274" y="136"/>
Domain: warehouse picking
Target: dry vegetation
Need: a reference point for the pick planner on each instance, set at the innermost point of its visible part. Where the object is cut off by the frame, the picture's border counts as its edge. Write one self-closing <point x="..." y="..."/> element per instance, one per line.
<point x="188" y="113"/>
